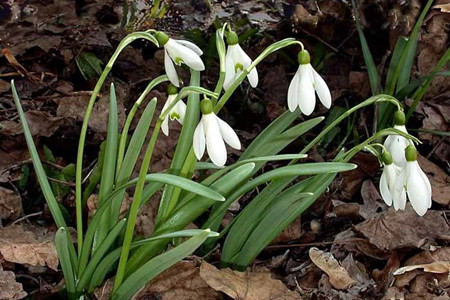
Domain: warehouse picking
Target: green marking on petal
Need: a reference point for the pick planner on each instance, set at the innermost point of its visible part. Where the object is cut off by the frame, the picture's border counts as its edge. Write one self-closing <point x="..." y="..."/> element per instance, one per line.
<point x="178" y="60"/>
<point x="238" y="67"/>
<point x="174" y="116"/>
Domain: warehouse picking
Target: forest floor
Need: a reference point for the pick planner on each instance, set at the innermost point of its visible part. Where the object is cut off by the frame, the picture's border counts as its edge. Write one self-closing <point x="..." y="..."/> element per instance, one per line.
<point x="55" y="51"/>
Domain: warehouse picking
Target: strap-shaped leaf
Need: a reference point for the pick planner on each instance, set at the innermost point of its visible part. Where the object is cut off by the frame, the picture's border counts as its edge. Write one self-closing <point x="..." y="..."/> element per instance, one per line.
<point x="62" y="247"/>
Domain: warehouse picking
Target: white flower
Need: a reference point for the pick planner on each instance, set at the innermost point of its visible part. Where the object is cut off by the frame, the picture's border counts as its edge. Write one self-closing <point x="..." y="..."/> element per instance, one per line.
<point x="396" y="145"/>
<point x="236" y="60"/>
<point x="303" y="86"/>
<point x="176" y="113"/>
<point x="412" y="182"/>
<point x="213" y="133"/>
<point x="387" y="182"/>
<point x="179" y="51"/>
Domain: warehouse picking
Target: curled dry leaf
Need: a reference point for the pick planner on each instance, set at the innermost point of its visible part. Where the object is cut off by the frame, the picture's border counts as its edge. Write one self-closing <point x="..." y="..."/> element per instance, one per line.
<point x="338" y="276"/>
<point x="434" y="267"/>
<point x="10" y="204"/>
<point x="440" y="181"/>
<point x="10" y="289"/>
<point x="246" y="286"/>
<point x="23" y="246"/>
<point x="404" y="229"/>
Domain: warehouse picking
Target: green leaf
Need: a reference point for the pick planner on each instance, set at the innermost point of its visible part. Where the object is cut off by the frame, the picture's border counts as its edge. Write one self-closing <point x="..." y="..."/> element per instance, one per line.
<point x="89" y="65"/>
<point x="157" y="265"/>
<point x="368" y="59"/>
<point x="287" y="171"/>
<point x="395" y="60"/>
<point x="109" y="166"/>
<point x="99" y="254"/>
<point x="62" y="248"/>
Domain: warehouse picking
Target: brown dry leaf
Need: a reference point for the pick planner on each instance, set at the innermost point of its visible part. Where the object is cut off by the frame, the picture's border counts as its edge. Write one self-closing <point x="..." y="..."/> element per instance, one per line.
<point x="290" y="233"/>
<point x="181" y="281"/>
<point x="440" y="181"/>
<point x="404" y="229"/>
<point x="443" y="7"/>
<point x="41" y="124"/>
<point x="10" y="204"/>
<point x="338" y="276"/>
<point x="434" y="267"/>
<point x="373" y="204"/>
<point x="246" y="286"/>
<point x="32" y="246"/>
<point x="10" y="289"/>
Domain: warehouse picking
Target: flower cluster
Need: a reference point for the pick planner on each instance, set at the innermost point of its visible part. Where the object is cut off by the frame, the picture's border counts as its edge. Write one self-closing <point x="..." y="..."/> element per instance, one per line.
<point x="212" y="132"/>
<point x="402" y="176"/>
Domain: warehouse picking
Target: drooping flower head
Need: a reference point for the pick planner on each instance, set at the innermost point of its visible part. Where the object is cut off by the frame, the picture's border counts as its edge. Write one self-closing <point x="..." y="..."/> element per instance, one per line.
<point x="213" y="133"/>
<point x="178" y="52"/>
<point x="236" y="60"/>
<point x="304" y="85"/>
<point x="388" y="179"/>
<point x="412" y="182"/>
<point x="396" y="144"/>
<point x="176" y="113"/>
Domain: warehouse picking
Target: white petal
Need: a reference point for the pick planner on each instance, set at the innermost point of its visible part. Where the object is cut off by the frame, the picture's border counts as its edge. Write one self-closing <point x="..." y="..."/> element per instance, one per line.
<point x="181" y="110"/>
<point x="384" y="189"/>
<point x="307" y="97"/>
<point x="397" y="150"/>
<point x="416" y="188"/>
<point x="228" y="134"/>
<point x="199" y="140"/>
<point x="230" y="74"/>
<point x="387" y="143"/>
<point x="322" y="89"/>
<point x="214" y="142"/>
<point x="191" y="46"/>
<point x="399" y="196"/>
<point x="165" y="125"/>
<point x="427" y="184"/>
<point x="189" y="57"/>
<point x="242" y="57"/>
<point x="293" y="92"/>
<point x="170" y="70"/>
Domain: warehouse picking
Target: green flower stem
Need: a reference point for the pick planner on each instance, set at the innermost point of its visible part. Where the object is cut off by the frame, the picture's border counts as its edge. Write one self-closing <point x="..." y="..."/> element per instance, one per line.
<point x="126" y="127"/>
<point x="220" y="46"/>
<point x="424" y="87"/>
<point x="370" y="101"/>
<point x="134" y="209"/>
<point x="269" y="50"/>
<point x="79" y="166"/>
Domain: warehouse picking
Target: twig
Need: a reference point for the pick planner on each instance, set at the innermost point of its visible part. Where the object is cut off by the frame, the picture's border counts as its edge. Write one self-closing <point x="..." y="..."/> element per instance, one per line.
<point x="315" y="244"/>
<point x="319" y="39"/>
<point x="26" y="217"/>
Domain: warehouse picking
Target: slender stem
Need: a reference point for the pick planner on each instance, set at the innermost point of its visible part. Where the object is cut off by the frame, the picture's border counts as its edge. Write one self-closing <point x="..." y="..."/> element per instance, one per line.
<point x="79" y="166"/>
<point x="134" y="209"/>
<point x="126" y="127"/>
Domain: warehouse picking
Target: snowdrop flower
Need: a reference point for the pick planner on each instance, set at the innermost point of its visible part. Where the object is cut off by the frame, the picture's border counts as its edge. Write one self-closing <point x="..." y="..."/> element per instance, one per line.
<point x="388" y="179"/>
<point x="214" y="133"/>
<point x="413" y="182"/>
<point x="176" y="113"/>
<point x="396" y="144"/>
<point x="301" y="89"/>
<point x="236" y="60"/>
<point x="179" y="51"/>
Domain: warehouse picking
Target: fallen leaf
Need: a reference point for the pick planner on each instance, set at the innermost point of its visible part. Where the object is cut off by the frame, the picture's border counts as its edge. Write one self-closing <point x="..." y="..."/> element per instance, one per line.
<point x="373" y="204"/>
<point x="10" y="204"/>
<point x="404" y="229"/>
<point x="40" y="123"/>
<point x="290" y="233"/>
<point x="20" y="245"/>
<point x="443" y="7"/>
<point x="338" y="276"/>
<point x="246" y="286"/>
<point x="181" y="281"/>
<point x="10" y="289"/>
<point x="435" y="267"/>
<point x="440" y="181"/>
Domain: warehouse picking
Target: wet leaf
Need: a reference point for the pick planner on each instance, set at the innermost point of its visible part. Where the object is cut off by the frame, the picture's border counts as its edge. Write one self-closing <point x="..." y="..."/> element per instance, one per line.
<point x="23" y="246"/>
<point x="89" y="65"/>
<point x="338" y="276"/>
<point x="246" y="286"/>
